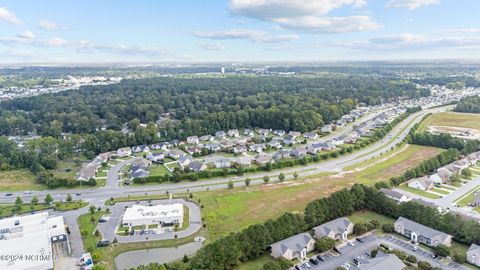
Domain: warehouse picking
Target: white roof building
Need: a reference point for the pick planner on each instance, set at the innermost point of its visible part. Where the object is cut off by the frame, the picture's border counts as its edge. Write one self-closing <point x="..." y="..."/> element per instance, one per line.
<point x="31" y="236"/>
<point x="162" y="214"/>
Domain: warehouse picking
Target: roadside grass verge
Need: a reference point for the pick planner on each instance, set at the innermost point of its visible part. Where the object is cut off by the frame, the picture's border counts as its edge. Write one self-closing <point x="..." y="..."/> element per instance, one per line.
<point x="418" y="192"/>
<point x="467" y="197"/>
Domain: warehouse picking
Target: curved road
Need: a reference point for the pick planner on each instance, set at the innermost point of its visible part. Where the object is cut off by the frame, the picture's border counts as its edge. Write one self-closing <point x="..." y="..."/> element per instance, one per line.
<point x="98" y="195"/>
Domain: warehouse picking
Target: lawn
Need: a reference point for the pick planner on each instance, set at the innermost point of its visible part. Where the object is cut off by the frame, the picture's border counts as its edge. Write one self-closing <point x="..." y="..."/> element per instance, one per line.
<point x="186" y="219"/>
<point x="157" y="169"/>
<point x="68" y="168"/>
<point x="366" y="216"/>
<point x="452" y="119"/>
<point x="437" y="190"/>
<point x="67" y="206"/>
<point x="17" y="180"/>
<point x="256" y="264"/>
<point x="467" y="198"/>
<point x="418" y="192"/>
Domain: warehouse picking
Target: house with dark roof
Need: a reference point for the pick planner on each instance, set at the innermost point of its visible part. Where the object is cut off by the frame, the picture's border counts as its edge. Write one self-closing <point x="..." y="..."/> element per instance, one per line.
<point x="293" y="247"/>
<point x="420" y="233"/>
<point x="279" y="132"/>
<point x="473" y="255"/>
<point x="337" y="229"/>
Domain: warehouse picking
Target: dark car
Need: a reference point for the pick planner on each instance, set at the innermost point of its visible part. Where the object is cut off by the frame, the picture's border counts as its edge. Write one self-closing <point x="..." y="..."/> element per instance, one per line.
<point x="132" y="232"/>
<point x="314" y="261"/>
<point x="320" y="258"/>
<point x="8" y="194"/>
<point x="103" y="243"/>
<point x="297" y="267"/>
<point x="337" y="250"/>
<point x="78" y="194"/>
<point x="360" y="240"/>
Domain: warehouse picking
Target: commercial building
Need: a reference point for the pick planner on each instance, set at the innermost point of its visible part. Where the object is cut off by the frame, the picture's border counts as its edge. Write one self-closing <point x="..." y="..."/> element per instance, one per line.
<point x="162" y="214"/>
<point x="31" y="239"/>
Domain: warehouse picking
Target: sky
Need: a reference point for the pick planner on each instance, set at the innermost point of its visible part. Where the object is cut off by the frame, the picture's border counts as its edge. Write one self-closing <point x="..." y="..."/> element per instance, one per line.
<point x="108" y="31"/>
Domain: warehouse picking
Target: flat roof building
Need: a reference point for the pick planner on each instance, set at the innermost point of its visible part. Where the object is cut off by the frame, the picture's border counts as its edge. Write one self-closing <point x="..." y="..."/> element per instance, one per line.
<point x="162" y="214"/>
<point x="31" y="238"/>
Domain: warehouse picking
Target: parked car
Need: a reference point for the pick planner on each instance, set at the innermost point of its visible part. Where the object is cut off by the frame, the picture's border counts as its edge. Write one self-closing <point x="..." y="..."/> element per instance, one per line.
<point x="9" y="194"/>
<point x="313" y="261"/>
<point x="307" y="265"/>
<point x="320" y="258"/>
<point x="297" y="267"/>
<point x="351" y="244"/>
<point x="103" y="243"/>
<point x="27" y="192"/>
<point x="360" y="240"/>
<point x="415" y="248"/>
<point x="337" y="250"/>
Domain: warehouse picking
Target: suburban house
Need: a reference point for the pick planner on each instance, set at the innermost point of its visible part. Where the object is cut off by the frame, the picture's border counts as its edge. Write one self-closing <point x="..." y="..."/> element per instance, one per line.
<point x="328" y="146"/>
<point x="275" y="144"/>
<point x="381" y="262"/>
<point x="159" y="146"/>
<point x="213" y="147"/>
<point x="395" y="195"/>
<point x="233" y="133"/>
<point x="140" y="148"/>
<point x="299" y="152"/>
<point x="341" y="122"/>
<point x="314" y="148"/>
<point x="156" y="157"/>
<point x="257" y="148"/>
<point x="310" y="135"/>
<point x="295" y="134"/>
<point x="206" y="138"/>
<point x="337" y="229"/>
<point x="279" y="132"/>
<point x="263" y="131"/>
<point x="281" y="154"/>
<point x="422" y="183"/>
<point x="197" y="166"/>
<point x="439" y="177"/>
<point x="194" y="150"/>
<point x="220" y="134"/>
<point x="240" y="149"/>
<point x="176" y="154"/>
<point x="263" y="159"/>
<point x="326" y="129"/>
<point x="193" y="140"/>
<point x="337" y="141"/>
<point x="87" y="172"/>
<point x="421" y="233"/>
<point x="473" y="255"/>
<point x="222" y="163"/>
<point x="244" y="161"/>
<point x="184" y="161"/>
<point x="124" y="152"/>
<point x="227" y="144"/>
<point x="248" y="132"/>
<point x="289" y="139"/>
<point x="138" y="171"/>
<point x="293" y="247"/>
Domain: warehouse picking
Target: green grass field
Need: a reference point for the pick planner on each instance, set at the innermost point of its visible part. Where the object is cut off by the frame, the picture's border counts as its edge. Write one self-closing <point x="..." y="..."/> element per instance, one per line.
<point x="452" y="119"/>
<point x="255" y="264"/>
<point x="418" y="192"/>
<point x="437" y="190"/>
<point x="157" y="169"/>
<point x="17" y="180"/>
<point x="367" y="216"/>
<point x="467" y="198"/>
<point x="68" y="168"/>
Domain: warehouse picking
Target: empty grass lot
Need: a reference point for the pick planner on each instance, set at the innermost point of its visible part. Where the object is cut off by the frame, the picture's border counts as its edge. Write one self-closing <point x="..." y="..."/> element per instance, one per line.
<point x="157" y="169"/>
<point x="17" y="180"/>
<point x="452" y="119"/>
<point x="228" y="211"/>
<point x="68" y="168"/>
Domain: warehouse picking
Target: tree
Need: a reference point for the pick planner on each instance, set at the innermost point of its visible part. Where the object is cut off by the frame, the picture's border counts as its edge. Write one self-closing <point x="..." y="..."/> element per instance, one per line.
<point x="48" y="199"/>
<point x="455" y="178"/>
<point x="359" y="228"/>
<point x="266" y="179"/>
<point x="69" y="197"/>
<point x="185" y="258"/>
<point x="295" y="175"/>
<point x="424" y="265"/>
<point x="281" y="177"/>
<point x="18" y="201"/>
<point x="324" y="244"/>
<point x="247" y="181"/>
<point x="411" y="259"/>
<point x="34" y="200"/>
<point x="91" y="209"/>
<point x="388" y="228"/>
<point x="230" y="184"/>
<point x="115" y="241"/>
<point x="467" y="173"/>
<point x="442" y="250"/>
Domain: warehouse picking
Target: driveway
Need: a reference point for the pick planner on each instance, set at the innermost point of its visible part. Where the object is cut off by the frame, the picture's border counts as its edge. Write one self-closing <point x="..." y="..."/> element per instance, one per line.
<point x="107" y="229"/>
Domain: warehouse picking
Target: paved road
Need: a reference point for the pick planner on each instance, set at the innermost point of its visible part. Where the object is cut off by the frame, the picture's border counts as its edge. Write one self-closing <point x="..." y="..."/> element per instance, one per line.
<point x="447" y="202"/>
<point x="335" y="165"/>
<point x="334" y="260"/>
<point x="113" y="173"/>
<point x="107" y="229"/>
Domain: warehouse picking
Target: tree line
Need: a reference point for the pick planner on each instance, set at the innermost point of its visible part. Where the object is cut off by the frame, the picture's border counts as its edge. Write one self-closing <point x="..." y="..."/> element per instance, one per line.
<point x="468" y="105"/>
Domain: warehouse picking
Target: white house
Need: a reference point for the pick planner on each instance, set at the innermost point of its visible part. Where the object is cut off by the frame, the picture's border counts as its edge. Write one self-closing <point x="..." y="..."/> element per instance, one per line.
<point x="124" y="152"/>
<point x="193" y="140"/>
<point x="422" y="183"/>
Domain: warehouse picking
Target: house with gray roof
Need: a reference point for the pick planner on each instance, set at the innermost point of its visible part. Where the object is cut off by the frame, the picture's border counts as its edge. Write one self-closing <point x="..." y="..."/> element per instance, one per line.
<point x="176" y="154"/>
<point x="381" y="262"/>
<point x="293" y="247"/>
<point x="337" y="229"/>
<point x="473" y="255"/>
<point x="440" y="177"/>
<point x="185" y="161"/>
<point x="299" y="152"/>
<point x="422" y="183"/>
<point x="220" y="134"/>
<point x="87" y="172"/>
<point x="197" y="166"/>
<point x="263" y="159"/>
<point x="421" y="233"/>
<point x="281" y="154"/>
<point x="244" y="161"/>
<point x="395" y="195"/>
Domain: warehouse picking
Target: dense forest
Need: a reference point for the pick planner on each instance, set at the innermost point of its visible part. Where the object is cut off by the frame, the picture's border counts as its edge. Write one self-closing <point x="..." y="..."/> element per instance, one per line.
<point x="469" y="105"/>
<point x="201" y="105"/>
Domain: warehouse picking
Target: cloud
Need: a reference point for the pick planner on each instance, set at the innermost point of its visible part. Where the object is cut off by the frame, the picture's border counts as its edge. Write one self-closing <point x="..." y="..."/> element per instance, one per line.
<point x="272" y="9"/>
<point x="9" y="17"/>
<point x="305" y="15"/>
<point x="330" y="24"/>
<point x="410" y="4"/>
<point x="471" y="30"/>
<point x="27" y="35"/>
<point x="412" y="42"/>
<point x="85" y="46"/>
<point x="56" y="42"/>
<point x="212" y="46"/>
<point x="47" y="25"/>
<point x="255" y="36"/>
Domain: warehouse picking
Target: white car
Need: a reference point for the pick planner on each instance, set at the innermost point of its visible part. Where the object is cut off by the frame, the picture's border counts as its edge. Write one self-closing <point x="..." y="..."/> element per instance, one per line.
<point x="351" y="244"/>
<point x="27" y="192"/>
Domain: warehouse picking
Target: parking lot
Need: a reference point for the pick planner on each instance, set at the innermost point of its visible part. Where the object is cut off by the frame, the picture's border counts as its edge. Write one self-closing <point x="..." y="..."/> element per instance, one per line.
<point x="360" y="250"/>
